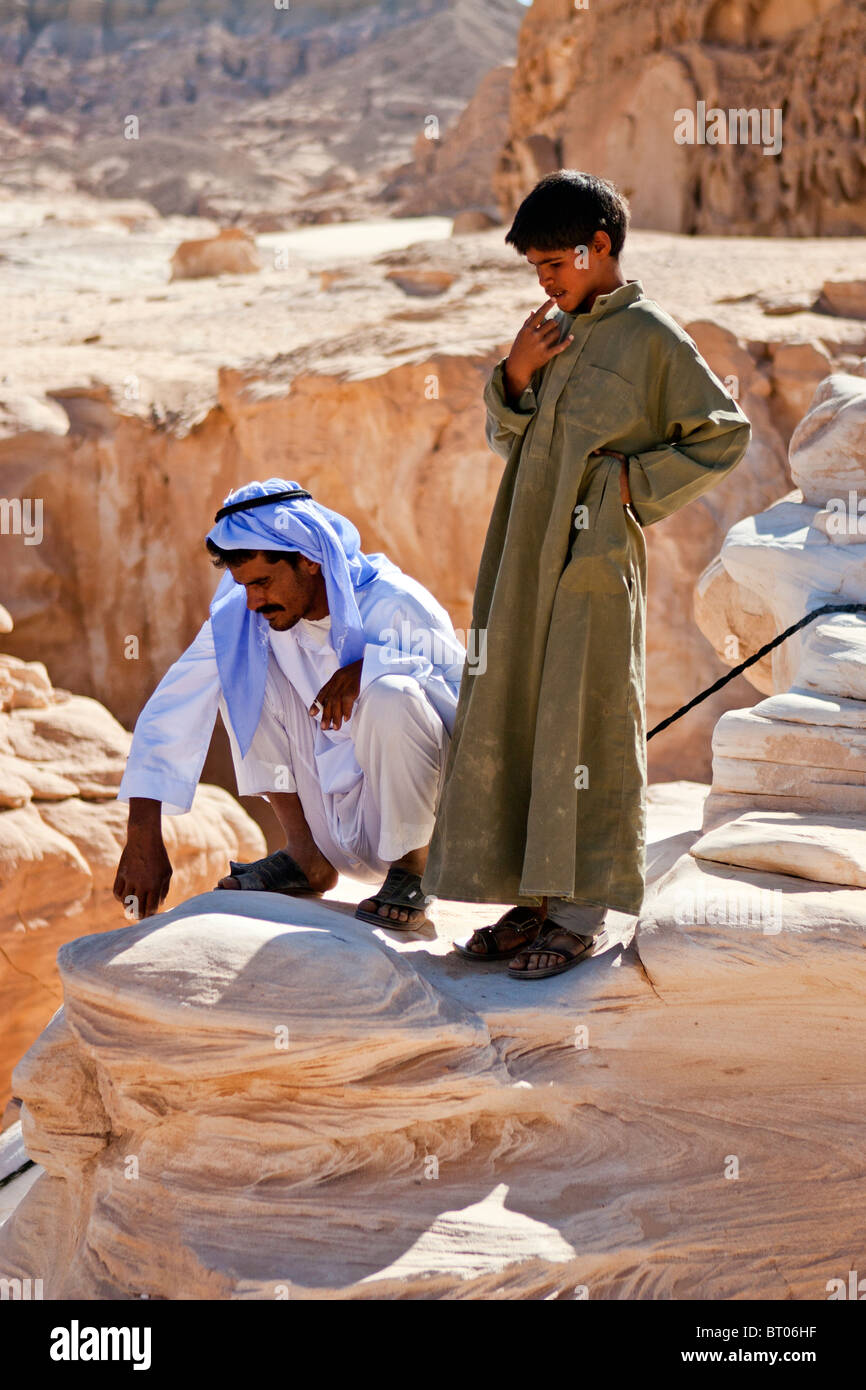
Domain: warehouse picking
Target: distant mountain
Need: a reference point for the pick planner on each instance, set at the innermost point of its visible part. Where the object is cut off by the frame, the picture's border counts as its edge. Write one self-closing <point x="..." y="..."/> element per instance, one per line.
<point x="242" y="111"/>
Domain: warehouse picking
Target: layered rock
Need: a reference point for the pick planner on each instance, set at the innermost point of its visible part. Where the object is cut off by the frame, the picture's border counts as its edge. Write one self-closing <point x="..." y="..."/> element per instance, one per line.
<point x="602" y="88"/>
<point x="789" y="775"/>
<point x="264" y="1100"/>
<point x="61" y="834"/>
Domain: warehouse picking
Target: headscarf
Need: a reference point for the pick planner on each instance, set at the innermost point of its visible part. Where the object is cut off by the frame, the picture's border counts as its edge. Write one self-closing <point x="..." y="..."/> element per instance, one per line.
<point x="241" y="638"/>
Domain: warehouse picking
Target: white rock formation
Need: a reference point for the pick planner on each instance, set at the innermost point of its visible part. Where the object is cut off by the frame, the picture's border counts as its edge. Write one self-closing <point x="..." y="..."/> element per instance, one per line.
<point x="789" y="775"/>
<point x="61" y="834"/>
<point x="257" y="1097"/>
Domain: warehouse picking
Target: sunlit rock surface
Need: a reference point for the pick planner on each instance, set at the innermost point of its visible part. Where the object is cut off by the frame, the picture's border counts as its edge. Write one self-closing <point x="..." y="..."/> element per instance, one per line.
<point x="254" y="1097"/>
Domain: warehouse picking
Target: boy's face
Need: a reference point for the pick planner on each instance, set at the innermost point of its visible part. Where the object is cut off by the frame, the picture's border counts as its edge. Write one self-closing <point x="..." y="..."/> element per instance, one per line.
<point x="569" y="275"/>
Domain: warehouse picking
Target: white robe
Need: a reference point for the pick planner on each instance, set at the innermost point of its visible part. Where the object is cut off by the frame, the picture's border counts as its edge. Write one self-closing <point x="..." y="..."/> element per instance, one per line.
<point x="361" y="805"/>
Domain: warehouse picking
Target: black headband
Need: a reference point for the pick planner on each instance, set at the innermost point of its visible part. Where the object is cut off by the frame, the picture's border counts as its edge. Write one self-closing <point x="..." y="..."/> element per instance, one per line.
<point x="261" y="502"/>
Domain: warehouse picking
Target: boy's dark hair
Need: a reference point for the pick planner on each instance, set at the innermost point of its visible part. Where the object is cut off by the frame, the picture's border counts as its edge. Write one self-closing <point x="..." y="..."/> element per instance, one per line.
<point x="221" y="558"/>
<point x="567" y="209"/>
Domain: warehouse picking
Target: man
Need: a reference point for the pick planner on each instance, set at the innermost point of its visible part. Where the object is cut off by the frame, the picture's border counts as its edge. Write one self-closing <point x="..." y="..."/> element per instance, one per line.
<point x="337" y="678"/>
<point x="609" y="420"/>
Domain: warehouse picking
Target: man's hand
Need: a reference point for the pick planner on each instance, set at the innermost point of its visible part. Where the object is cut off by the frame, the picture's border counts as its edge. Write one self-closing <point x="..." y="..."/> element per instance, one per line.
<point x="624" y="492"/>
<point x="536" y="343"/>
<point x="338" y="695"/>
<point x="144" y="871"/>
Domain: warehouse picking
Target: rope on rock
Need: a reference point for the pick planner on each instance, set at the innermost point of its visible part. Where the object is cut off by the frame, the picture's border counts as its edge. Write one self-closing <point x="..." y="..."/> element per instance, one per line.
<point x="762" y="651"/>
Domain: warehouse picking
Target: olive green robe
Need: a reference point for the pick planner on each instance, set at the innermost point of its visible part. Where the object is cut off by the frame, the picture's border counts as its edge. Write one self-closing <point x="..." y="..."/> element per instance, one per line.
<point x="545" y="786"/>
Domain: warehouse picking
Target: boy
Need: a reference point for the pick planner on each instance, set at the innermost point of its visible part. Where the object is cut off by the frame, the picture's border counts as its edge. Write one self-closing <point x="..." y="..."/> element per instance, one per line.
<point x="609" y="420"/>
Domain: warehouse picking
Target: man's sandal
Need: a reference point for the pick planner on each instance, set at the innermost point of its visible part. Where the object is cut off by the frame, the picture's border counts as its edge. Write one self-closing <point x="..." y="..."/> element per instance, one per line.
<point x="401" y="889"/>
<point x="585" y="946"/>
<point x="276" y="873"/>
<point x="526" y="920"/>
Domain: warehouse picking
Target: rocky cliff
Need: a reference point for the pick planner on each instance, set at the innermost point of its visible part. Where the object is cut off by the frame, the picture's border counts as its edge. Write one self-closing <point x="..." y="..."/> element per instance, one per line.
<point x="263" y="114"/>
<point x="598" y="87"/>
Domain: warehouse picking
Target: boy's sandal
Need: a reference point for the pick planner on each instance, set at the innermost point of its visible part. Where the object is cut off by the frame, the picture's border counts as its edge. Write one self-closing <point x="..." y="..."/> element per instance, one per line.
<point x="401" y="889"/>
<point x="584" y="946"/>
<point x="527" y="920"/>
<point x="276" y="873"/>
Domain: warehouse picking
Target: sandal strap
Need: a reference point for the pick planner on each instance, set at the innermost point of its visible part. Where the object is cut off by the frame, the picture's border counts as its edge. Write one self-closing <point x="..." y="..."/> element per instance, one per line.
<point x="277" y="870"/>
<point x="401" y="888"/>
<point x="540" y="944"/>
<point x="490" y="936"/>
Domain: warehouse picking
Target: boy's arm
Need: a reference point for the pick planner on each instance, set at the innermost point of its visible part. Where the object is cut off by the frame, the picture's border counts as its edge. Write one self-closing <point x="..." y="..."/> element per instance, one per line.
<point x="506" y="419"/>
<point x="706" y="433"/>
<point x="510" y="394"/>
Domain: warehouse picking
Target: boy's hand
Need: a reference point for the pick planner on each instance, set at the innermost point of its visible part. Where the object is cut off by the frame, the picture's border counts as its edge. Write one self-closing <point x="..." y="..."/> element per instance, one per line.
<point x="536" y="343"/>
<point x="624" y="493"/>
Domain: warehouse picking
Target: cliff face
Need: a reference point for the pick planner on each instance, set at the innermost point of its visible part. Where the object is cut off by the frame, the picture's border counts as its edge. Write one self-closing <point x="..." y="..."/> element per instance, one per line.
<point x="597" y="88"/>
<point x="252" y="113"/>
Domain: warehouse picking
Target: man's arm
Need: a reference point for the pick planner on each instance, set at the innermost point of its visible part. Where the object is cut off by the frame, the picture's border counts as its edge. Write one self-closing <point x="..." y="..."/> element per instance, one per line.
<point x="706" y="435"/>
<point x="144" y="872"/>
<point x="168" y="750"/>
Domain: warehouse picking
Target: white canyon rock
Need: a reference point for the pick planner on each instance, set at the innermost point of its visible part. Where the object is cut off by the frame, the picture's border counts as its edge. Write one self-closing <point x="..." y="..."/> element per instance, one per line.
<point x="258" y="1097"/>
<point x="789" y="774"/>
<point x="61" y="834"/>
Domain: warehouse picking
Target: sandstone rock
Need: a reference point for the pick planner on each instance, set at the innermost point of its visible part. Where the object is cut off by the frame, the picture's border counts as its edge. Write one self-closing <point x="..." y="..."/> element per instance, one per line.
<point x="61" y="834"/>
<point x="792" y="302"/>
<point x="828" y="448"/>
<point x="847" y="298"/>
<point x="601" y="87"/>
<point x="246" y="115"/>
<point x="800" y="753"/>
<point x="735" y="622"/>
<point x="818" y="846"/>
<point x="219" y="1047"/>
<point x="231" y="252"/>
<point x="796" y="371"/>
<point x="471" y="221"/>
<point x="456" y="171"/>
<point x="424" y="283"/>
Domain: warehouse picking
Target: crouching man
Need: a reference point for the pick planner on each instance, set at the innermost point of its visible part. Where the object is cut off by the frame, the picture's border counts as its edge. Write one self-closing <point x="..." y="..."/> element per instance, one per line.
<point x="337" y="678"/>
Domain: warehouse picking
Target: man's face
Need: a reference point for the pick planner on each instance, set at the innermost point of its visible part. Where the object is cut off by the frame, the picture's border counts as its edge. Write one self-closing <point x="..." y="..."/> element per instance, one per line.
<point x="569" y="275"/>
<point x="283" y="593"/>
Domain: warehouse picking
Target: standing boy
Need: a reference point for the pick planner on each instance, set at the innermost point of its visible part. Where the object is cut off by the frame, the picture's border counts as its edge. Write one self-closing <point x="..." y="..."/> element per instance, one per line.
<point x="609" y="420"/>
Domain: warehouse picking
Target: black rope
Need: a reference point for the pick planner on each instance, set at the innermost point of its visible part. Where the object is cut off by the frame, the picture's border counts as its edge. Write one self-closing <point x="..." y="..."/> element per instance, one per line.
<point x="762" y="651"/>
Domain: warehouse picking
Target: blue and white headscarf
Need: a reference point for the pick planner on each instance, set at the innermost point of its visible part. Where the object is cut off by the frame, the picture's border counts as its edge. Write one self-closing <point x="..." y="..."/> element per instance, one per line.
<point x="241" y="638"/>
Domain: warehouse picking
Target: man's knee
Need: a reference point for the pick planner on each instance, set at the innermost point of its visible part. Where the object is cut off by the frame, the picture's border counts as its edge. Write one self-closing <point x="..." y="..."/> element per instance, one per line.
<point x="393" y="702"/>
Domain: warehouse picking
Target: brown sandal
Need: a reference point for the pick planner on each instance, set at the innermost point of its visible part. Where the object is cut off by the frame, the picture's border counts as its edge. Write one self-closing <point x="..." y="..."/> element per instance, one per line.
<point x="584" y="946"/>
<point x="522" y="919"/>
